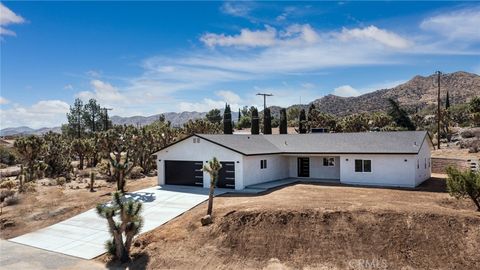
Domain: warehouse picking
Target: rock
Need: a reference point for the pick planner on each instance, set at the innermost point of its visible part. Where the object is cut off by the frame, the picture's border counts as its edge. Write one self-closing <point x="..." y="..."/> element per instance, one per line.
<point x="7" y="223"/>
<point x="206" y="220"/>
<point x="470" y="133"/>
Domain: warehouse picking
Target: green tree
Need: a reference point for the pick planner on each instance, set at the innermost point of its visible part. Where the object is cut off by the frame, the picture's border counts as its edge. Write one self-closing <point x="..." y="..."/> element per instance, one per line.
<point x="92" y="116"/>
<point x="200" y="126"/>
<point x="283" y="121"/>
<point x="213" y="167"/>
<point x="214" y="116"/>
<point x="31" y="150"/>
<point x="459" y="114"/>
<point x="464" y="184"/>
<point x="400" y="116"/>
<point x="267" y="121"/>
<point x="354" y="123"/>
<point x="227" y="120"/>
<point x="57" y="155"/>
<point x="474" y="106"/>
<point x="302" y="119"/>
<point x="76" y="125"/>
<point x="255" y="129"/>
<point x="128" y="224"/>
<point x="293" y="113"/>
<point x="79" y="149"/>
<point x="380" y="120"/>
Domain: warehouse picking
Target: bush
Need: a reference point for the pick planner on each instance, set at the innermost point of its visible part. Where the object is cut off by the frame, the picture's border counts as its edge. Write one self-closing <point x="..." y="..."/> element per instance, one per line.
<point x="30" y="187"/>
<point x="5" y="193"/>
<point x="136" y="172"/>
<point x="464" y="184"/>
<point x="8" y="156"/>
<point x="11" y="200"/>
<point x="8" y="184"/>
<point x="60" y="181"/>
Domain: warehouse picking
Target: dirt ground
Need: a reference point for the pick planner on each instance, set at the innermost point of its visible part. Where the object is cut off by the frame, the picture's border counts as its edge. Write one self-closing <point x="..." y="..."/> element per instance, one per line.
<point x="318" y="226"/>
<point x="454" y="152"/>
<point x="52" y="203"/>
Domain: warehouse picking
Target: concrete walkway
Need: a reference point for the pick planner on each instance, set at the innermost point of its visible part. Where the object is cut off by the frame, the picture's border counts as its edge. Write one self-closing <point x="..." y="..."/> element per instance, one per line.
<point x="15" y="256"/>
<point x="84" y="235"/>
<point x="262" y="187"/>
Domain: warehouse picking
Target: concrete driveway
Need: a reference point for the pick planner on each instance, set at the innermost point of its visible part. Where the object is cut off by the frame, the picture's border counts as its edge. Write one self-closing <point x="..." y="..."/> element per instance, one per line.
<point x="16" y="256"/>
<point x="84" y="235"/>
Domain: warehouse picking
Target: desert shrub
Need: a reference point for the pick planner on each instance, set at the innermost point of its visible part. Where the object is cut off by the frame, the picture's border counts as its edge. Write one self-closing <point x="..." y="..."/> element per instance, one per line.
<point x="11" y="200"/>
<point x="104" y="167"/>
<point x="8" y="184"/>
<point x="5" y="193"/>
<point x="8" y="155"/>
<point x="136" y="172"/>
<point x="464" y="184"/>
<point x="60" y="181"/>
<point x="30" y="187"/>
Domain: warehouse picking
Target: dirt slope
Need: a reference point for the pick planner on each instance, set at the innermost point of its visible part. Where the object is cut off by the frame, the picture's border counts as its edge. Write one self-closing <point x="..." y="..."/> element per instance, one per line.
<point x="327" y="227"/>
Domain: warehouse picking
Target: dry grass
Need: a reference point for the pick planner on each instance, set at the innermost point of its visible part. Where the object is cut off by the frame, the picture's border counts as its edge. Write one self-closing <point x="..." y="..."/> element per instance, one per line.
<point x="51" y="204"/>
<point x="319" y="226"/>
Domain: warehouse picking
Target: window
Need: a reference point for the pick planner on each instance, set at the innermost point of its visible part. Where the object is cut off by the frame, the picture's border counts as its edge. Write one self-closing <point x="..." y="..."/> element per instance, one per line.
<point x="263" y="164"/>
<point x="329" y="161"/>
<point x="363" y="165"/>
<point x="196" y="140"/>
<point x="425" y="163"/>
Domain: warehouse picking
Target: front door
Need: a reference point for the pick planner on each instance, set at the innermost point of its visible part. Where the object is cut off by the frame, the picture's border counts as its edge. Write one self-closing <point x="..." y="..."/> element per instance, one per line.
<point x="303" y="167"/>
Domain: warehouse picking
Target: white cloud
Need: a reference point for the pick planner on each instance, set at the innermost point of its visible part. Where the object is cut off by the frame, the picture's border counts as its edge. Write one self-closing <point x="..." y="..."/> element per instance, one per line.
<point x="8" y="17"/>
<point x="104" y="93"/>
<point x="238" y="9"/>
<point x="68" y="87"/>
<point x="374" y="33"/>
<point x="4" y="101"/>
<point x="460" y="24"/>
<point x="346" y="91"/>
<point x="229" y="96"/>
<point x="246" y="38"/>
<point x="94" y="73"/>
<point x="45" y="113"/>
<point x="308" y="85"/>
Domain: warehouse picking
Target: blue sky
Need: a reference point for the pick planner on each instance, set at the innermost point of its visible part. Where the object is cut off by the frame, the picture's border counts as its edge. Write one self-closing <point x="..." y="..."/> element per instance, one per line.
<point x="153" y="57"/>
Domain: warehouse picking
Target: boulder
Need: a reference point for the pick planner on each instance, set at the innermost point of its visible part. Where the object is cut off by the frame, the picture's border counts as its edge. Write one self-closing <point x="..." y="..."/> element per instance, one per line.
<point x="206" y="220"/>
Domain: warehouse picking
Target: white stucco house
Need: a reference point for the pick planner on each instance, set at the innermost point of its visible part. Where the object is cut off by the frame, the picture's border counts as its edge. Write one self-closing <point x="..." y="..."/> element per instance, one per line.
<point x="400" y="159"/>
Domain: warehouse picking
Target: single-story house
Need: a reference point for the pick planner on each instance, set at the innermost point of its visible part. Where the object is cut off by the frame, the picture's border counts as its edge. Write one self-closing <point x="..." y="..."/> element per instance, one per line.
<point x="400" y="159"/>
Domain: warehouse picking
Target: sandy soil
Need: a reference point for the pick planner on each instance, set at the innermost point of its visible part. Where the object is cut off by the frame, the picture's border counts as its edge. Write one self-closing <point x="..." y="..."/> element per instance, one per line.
<point x="454" y="152"/>
<point x="315" y="226"/>
<point x="51" y="204"/>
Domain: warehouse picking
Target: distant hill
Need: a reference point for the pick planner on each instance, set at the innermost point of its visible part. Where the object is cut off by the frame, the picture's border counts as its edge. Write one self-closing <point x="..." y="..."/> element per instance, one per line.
<point x="417" y="93"/>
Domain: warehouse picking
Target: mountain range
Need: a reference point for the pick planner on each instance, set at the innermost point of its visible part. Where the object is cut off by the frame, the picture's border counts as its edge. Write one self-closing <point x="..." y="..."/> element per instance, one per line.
<point x="417" y="93"/>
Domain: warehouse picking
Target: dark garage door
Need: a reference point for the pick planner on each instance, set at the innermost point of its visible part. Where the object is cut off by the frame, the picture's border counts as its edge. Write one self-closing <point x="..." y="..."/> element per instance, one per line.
<point x="187" y="173"/>
<point x="226" y="176"/>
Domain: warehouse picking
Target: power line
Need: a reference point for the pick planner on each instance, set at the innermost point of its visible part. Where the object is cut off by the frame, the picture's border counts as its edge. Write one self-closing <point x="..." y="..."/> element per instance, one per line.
<point x="264" y="99"/>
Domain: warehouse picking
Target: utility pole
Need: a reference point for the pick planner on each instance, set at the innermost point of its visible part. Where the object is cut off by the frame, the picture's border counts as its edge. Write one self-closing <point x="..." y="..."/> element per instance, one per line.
<point x="264" y="99"/>
<point x="438" y="109"/>
<point x="106" y="117"/>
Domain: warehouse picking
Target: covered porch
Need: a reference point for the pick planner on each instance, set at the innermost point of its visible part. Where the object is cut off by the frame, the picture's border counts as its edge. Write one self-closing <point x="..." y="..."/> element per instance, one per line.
<point x="314" y="166"/>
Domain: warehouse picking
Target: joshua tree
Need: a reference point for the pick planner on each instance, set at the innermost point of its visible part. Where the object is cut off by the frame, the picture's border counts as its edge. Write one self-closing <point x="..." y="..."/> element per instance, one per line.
<point x="400" y="116"/>
<point x="267" y="121"/>
<point x="121" y="166"/>
<point x="255" y="130"/>
<point x="283" y="121"/>
<point x="31" y="150"/>
<point x="212" y="168"/>
<point x="127" y="225"/>
<point x="227" y="120"/>
<point x="80" y="148"/>
<point x="464" y="184"/>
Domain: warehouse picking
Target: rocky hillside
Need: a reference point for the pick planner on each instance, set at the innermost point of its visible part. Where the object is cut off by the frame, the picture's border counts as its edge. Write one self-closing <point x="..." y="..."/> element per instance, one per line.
<point x="418" y="92"/>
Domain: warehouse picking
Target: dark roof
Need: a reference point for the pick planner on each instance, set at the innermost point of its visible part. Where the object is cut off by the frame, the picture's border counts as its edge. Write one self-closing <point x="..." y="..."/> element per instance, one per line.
<point x="401" y="142"/>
